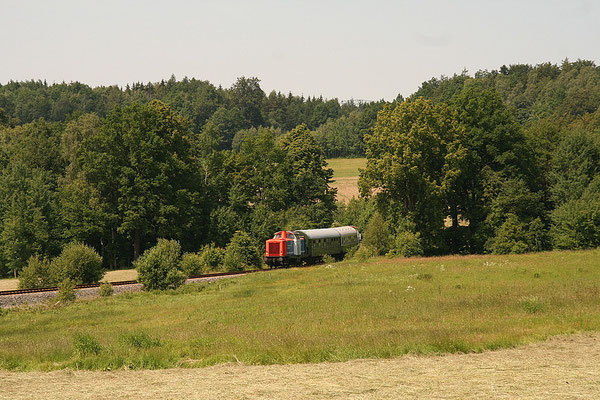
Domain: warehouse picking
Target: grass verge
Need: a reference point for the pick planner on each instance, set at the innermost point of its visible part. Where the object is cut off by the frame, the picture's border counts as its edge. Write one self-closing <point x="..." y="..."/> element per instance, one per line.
<point x="334" y="312"/>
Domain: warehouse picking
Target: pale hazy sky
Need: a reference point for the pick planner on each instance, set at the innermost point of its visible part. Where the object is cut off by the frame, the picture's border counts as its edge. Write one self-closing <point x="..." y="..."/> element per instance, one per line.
<point x="346" y="49"/>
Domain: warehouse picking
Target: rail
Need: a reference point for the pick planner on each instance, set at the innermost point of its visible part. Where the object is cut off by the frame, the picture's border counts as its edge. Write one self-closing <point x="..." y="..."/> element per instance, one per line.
<point x="118" y="283"/>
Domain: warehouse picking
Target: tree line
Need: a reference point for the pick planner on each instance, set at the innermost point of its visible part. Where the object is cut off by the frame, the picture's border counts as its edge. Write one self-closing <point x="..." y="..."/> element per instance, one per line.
<point x="223" y="112"/>
<point x="141" y="173"/>
<point x="505" y="161"/>
<point x="502" y="161"/>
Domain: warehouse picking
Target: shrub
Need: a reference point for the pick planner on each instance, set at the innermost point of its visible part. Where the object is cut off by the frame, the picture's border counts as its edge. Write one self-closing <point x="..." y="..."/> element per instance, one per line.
<point x="140" y="340"/>
<point x="241" y="253"/>
<point x="36" y="274"/>
<point x="407" y="244"/>
<point x="212" y="258"/>
<point x="327" y="259"/>
<point x="350" y="252"/>
<point x="105" y="289"/>
<point x="159" y="267"/>
<point x="191" y="264"/>
<point x="209" y="259"/>
<point x="79" y="263"/>
<point x="576" y="223"/>
<point x="86" y="344"/>
<point x="516" y="236"/>
<point x="365" y="252"/>
<point x="66" y="291"/>
<point x="377" y="234"/>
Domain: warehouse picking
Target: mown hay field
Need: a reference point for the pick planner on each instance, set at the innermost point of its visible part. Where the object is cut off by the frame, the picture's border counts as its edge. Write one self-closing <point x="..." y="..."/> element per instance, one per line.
<point x="345" y="176"/>
<point x="381" y="308"/>
<point x="564" y="367"/>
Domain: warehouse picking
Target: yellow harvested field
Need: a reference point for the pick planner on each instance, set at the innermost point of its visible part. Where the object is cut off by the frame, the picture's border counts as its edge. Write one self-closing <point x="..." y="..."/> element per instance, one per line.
<point x="110" y="276"/>
<point x="564" y="367"/>
<point x="347" y="188"/>
<point x="121" y="275"/>
<point x="8" y="284"/>
<point x="345" y="176"/>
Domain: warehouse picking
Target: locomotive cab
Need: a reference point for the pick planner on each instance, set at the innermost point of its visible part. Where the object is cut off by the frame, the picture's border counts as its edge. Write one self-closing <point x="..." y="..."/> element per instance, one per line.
<point x="286" y="247"/>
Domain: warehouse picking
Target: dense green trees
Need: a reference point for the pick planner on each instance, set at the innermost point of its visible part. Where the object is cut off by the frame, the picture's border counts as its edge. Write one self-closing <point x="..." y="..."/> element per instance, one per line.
<point x="503" y="186"/>
<point x="501" y="161"/>
<point x="414" y="155"/>
<point x="139" y="165"/>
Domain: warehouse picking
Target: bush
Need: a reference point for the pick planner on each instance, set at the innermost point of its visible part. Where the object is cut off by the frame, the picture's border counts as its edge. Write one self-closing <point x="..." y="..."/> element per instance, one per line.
<point x="350" y="252"/>
<point x="365" y="252"/>
<point x="327" y="259"/>
<point x="377" y="235"/>
<point x="407" y="244"/>
<point x="212" y="258"/>
<point x="36" y="274"/>
<point x="516" y="236"/>
<point x="576" y="224"/>
<point x="86" y="344"/>
<point x="66" y="291"/>
<point x="191" y="264"/>
<point x="105" y="289"/>
<point x="79" y="263"/>
<point x="209" y="259"/>
<point x="159" y="267"/>
<point x="241" y="253"/>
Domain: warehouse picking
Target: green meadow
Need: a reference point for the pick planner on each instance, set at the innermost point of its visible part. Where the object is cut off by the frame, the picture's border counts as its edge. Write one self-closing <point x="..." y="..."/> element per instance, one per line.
<point x="332" y="312"/>
<point x="346" y="167"/>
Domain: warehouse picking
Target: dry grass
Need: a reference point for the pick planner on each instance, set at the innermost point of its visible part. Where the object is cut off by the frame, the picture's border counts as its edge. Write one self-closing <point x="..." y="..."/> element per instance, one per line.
<point x="564" y="367"/>
<point x="110" y="276"/>
<point x="347" y="188"/>
<point x="9" y="284"/>
<point x="121" y="275"/>
<point x="345" y="176"/>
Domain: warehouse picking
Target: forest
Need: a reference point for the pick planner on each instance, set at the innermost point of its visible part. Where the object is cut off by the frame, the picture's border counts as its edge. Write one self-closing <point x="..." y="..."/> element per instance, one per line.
<point x="502" y="161"/>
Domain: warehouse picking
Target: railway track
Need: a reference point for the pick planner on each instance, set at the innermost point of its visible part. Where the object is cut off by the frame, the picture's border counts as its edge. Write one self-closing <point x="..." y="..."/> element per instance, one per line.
<point x="118" y="283"/>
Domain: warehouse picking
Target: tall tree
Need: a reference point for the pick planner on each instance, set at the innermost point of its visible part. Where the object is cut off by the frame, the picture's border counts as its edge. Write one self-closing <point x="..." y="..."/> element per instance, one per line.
<point x="140" y="165"/>
<point x="28" y="221"/>
<point x="413" y="158"/>
<point x="309" y="179"/>
<point x="496" y="153"/>
<point x="247" y="95"/>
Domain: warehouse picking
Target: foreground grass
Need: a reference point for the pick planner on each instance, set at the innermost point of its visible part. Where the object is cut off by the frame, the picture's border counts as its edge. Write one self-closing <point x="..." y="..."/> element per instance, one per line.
<point x="381" y="308"/>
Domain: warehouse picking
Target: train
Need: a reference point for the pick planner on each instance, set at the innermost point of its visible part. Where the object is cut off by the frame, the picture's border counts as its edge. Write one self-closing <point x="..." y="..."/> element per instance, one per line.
<point x="309" y="245"/>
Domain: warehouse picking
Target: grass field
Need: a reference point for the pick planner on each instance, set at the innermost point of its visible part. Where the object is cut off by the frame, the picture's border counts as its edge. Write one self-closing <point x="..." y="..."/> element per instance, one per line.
<point x="345" y="175"/>
<point x="381" y="308"/>
<point x="110" y="276"/>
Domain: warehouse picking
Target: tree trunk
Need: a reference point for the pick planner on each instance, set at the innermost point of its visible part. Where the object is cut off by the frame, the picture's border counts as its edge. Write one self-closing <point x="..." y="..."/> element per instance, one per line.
<point x="454" y="218"/>
<point x="137" y="240"/>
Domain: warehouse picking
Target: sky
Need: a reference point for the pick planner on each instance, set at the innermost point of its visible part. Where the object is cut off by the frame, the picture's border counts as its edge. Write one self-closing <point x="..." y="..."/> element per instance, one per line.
<point x="366" y="50"/>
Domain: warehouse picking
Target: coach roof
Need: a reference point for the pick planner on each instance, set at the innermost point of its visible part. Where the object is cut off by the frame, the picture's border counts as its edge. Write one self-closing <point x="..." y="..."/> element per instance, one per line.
<point x="328" y="232"/>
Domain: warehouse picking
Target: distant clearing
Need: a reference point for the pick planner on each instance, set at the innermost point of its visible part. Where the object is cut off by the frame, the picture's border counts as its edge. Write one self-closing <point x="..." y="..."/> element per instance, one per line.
<point x="345" y="175"/>
<point x="381" y="308"/>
